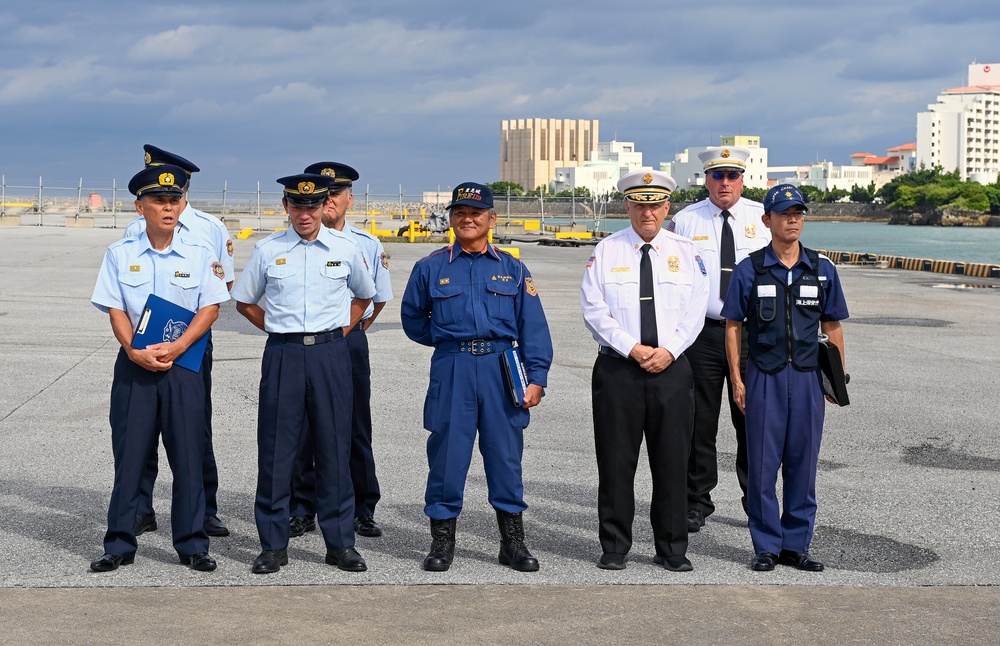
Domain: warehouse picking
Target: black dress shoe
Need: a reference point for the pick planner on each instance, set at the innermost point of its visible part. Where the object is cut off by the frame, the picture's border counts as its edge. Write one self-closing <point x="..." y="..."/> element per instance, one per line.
<point x="110" y="562"/>
<point x="673" y="563"/>
<point x="214" y="526"/>
<point x="269" y="561"/>
<point x="800" y="561"/>
<point x="299" y="525"/>
<point x="763" y="562"/>
<point x="611" y="561"/>
<point x="695" y="520"/>
<point x="200" y="561"/>
<point x="144" y="524"/>
<point x="366" y="526"/>
<point x="347" y="560"/>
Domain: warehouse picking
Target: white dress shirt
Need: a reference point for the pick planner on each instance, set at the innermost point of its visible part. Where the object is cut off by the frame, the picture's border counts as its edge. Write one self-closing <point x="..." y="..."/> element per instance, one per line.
<point x="610" y="291"/>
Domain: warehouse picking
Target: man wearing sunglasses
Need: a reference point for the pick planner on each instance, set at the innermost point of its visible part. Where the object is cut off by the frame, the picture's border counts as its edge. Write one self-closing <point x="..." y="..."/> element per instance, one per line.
<point x="725" y="228"/>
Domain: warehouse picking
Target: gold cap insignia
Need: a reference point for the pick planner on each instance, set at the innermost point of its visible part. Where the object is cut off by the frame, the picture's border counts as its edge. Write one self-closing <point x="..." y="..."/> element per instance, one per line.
<point x="166" y="179"/>
<point x="725" y="153"/>
<point x="328" y="172"/>
<point x="306" y="188"/>
<point x="647" y="178"/>
<point x="788" y="193"/>
<point x="147" y="160"/>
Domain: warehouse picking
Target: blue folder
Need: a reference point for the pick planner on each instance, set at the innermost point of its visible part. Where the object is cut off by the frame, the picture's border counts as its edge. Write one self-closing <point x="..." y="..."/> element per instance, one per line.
<point x="162" y="321"/>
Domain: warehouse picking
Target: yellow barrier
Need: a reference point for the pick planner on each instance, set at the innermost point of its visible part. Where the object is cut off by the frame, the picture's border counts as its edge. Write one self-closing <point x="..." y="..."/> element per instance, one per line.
<point x="280" y="229"/>
<point x="375" y="231"/>
<point x="574" y="235"/>
<point x="244" y="233"/>
<point x="514" y="251"/>
<point x="532" y="225"/>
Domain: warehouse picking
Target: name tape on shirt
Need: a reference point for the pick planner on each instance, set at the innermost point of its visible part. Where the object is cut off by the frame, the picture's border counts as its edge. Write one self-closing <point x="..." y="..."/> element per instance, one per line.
<point x="767" y="291"/>
<point x="809" y="291"/>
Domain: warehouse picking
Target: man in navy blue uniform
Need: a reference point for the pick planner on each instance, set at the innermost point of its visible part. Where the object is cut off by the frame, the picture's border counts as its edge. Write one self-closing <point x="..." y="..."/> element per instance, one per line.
<point x="786" y="294"/>
<point x="317" y="288"/>
<point x="149" y="395"/>
<point x="366" y="487"/>
<point x="471" y="302"/>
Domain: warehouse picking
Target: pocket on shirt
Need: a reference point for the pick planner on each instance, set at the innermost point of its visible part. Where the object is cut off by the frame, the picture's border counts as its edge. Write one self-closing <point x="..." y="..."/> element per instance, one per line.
<point x="336" y="283"/>
<point x="136" y="288"/>
<point x="621" y="289"/>
<point x="449" y="304"/>
<point x="674" y="289"/>
<point x="500" y="303"/>
<point x="283" y="286"/>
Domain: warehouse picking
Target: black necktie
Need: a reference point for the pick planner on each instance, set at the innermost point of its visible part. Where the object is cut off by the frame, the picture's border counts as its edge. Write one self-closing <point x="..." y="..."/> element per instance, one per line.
<point x="647" y="306"/>
<point x="727" y="255"/>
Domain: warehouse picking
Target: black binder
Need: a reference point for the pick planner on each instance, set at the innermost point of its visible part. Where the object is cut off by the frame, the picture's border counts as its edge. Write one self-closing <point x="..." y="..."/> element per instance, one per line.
<point x="163" y="321"/>
<point x="514" y="376"/>
<point x="832" y="370"/>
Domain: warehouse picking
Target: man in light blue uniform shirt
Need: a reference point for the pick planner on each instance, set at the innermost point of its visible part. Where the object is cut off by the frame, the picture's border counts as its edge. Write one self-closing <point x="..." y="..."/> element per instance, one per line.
<point x="212" y="232"/>
<point x="149" y="395"/>
<point x="366" y="488"/>
<point x="317" y="288"/>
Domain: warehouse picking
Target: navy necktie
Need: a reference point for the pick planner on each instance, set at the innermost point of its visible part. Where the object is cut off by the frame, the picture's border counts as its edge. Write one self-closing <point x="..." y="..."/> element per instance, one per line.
<point x="727" y="255"/>
<point x="647" y="305"/>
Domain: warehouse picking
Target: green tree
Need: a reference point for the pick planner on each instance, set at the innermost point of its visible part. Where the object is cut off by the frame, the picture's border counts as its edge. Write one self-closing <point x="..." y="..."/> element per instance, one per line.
<point x="811" y="193"/>
<point x="755" y="194"/>
<point x="503" y="187"/>
<point x="835" y="195"/>
<point x="863" y="194"/>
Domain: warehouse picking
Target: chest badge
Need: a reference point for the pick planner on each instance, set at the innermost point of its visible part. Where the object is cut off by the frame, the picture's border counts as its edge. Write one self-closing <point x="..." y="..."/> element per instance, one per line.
<point x="674" y="263"/>
<point x="134" y="268"/>
<point x="332" y="263"/>
<point x="280" y="261"/>
<point x="751" y="230"/>
<point x="444" y="281"/>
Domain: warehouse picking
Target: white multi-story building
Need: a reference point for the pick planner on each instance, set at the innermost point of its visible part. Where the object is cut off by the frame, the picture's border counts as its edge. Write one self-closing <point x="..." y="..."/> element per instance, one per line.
<point x="600" y="174"/>
<point x="962" y="130"/>
<point x="688" y="171"/>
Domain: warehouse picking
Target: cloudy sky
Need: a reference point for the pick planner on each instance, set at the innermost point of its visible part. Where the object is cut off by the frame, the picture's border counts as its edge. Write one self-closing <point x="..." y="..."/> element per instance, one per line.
<point x="412" y="93"/>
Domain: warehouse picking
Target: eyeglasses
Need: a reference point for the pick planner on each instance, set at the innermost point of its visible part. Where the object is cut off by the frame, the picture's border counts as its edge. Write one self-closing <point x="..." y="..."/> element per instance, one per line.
<point x="791" y="214"/>
<point x="732" y="175"/>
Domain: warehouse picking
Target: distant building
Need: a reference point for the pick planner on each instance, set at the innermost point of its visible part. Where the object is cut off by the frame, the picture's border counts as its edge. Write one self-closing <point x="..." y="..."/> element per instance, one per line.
<point x="962" y="130"/>
<point x="532" y="149"/>
<point x="687" y="169"/>
<point x="600" y="174"/>
<point x="896" y="161"/>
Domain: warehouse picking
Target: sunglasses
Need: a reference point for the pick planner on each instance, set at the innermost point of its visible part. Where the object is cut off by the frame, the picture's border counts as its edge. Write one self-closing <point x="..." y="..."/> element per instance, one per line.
<point x="732" y="175"/>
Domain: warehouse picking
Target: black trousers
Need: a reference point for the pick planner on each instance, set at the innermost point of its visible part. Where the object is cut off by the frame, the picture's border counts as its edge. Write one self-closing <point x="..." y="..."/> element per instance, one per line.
<point x="366" y="488"/>
<point x="210" y="472"/>
<point x="630" y="403"/>
<point x="710" y="367"/>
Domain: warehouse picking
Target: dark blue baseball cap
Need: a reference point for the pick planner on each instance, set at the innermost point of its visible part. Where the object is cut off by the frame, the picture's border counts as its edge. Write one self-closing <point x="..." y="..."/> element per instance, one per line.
<point x="471" y="194"/>
<point x="783" y="197"/>
<point x="306" y="189"/>
<point x="164" y="179"/>
<point x="157" y="157"/>
<point x="343" y="175"/>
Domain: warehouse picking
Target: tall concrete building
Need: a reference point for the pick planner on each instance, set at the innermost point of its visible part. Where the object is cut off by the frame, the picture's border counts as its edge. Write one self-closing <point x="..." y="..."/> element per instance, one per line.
<point x="600" y="174"/>
<point x="962" y="130"/>
<point x="532" y="149"/>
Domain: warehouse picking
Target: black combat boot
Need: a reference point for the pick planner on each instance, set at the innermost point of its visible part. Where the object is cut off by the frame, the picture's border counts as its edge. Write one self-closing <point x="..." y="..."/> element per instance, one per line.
<point x="442" y="545"/>
<point x="513" y="551"/>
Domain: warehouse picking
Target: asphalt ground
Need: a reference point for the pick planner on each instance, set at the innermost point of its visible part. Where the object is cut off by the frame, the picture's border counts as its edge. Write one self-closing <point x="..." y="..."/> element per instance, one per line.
<point x="908" y="488"/>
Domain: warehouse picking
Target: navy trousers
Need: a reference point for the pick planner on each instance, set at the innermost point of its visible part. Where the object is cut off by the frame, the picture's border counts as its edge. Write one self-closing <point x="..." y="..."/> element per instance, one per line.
<point x="366" y="488"/>
<point x="630" y="403"/>
<point x="210" y="472"/>
<point x="465" y="394"/>
<point x="784" y="427"/>
<point x="304" y="385"/>
<point x="144" y="405"/>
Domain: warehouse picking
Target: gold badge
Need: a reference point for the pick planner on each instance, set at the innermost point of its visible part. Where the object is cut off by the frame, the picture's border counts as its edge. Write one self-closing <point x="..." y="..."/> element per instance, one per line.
<point x="788" y="193"/>
<point x="674" y="263"/>
<point x="725" y="153"/>
<point x="751" y="230"/>
<point x="700" y="238"/>
<point x="306" y="188"/>
<point x="147" y="160"/>
<point x="328" y="172"/>
<point x="647" y="178"/>
<point x="182" y="274"/>
<point x="444" y="281"/>
<point x="279" y="261"/>
<point x="134" y="268"/>
<point x="529" y="286"/>
<point x="332" y="263"/>
<point x="166" y="179"/>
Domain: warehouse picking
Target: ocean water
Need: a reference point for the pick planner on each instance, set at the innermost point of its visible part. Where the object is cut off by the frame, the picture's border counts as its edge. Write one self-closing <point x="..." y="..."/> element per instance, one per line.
<point x="966" y="244"/>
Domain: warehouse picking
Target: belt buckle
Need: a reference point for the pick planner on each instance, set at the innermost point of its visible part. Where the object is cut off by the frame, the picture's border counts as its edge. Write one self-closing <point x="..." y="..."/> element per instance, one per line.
<point x="309" y="339"/>
<point x="479" y="347"/>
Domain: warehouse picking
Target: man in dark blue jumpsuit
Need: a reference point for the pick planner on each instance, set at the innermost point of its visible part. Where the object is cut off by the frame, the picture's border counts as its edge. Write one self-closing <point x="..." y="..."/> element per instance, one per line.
<point x="786" y="294"/>
<point x="472" y="302"/>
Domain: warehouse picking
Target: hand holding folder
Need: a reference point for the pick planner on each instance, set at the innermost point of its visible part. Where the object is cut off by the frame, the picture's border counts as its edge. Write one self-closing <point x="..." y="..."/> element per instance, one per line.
<point x="164" y="322"/>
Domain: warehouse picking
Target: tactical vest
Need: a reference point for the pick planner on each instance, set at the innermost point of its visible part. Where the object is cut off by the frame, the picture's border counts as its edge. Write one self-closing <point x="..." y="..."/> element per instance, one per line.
<point x="783" y="323"/>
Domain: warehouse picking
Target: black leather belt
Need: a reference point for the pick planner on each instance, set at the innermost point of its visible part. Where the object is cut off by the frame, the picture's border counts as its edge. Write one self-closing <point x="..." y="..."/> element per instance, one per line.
<point x="709" y="321"/>
<point x="307" y="339"/>
<point x="611" y="352"/>
<point x="475" y="346"/>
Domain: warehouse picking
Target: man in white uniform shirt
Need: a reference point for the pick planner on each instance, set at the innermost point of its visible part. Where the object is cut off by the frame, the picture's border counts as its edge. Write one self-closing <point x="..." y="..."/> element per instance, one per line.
<point x="725" y="228"/>
<point x="643" y="295"/>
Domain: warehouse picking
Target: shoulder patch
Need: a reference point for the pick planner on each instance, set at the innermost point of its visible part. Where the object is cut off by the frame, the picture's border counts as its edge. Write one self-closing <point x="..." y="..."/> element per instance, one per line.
<point x="701" y="265"/>
<point x="671" y="225"/>
<point x="529" y="286"/>
<point x="590" y="262"/>
<point x="217" y="269"/>
<point x="229" y="247"/>
<point x="384" y="258"/>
